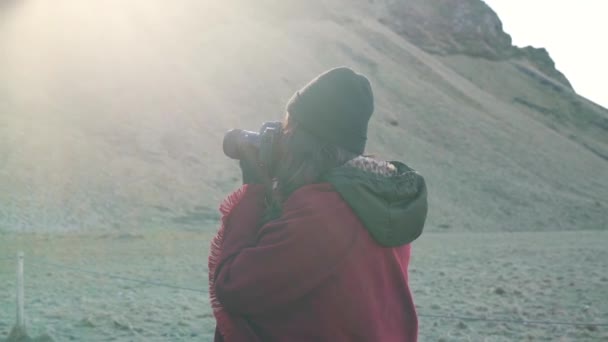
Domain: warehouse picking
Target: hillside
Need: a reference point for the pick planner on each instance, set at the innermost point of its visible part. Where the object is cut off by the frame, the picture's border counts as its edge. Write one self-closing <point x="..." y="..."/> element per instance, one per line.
<point x="112" y="114"/>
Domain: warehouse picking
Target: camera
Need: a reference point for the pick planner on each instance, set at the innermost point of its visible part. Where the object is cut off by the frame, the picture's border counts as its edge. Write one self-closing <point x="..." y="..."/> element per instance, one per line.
<point x="241" y="144"/>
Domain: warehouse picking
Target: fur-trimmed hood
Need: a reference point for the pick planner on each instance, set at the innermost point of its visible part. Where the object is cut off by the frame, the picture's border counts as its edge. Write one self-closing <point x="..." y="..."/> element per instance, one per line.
<point x="389" y="198"/>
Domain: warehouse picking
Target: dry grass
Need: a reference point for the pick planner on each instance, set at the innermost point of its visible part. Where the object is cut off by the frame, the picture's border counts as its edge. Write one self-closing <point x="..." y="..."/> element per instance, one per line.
<point x="529" y="276"/>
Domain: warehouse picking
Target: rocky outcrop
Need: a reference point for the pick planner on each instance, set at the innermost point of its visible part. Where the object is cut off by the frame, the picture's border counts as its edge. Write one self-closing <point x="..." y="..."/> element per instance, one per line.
<point x="540" y="58"/>
<point x="467" y="27"/>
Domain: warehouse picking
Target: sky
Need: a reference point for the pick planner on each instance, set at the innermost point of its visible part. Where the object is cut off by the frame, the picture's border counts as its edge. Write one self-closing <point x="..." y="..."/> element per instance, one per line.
<point x="574" y="32"/>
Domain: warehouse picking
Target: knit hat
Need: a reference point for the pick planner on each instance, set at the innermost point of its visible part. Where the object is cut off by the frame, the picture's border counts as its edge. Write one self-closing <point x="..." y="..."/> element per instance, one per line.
<point x="336" y="107"/>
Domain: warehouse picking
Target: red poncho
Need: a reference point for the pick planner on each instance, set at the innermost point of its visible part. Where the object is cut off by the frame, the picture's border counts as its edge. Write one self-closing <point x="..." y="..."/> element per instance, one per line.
<point x="314" y="274"/>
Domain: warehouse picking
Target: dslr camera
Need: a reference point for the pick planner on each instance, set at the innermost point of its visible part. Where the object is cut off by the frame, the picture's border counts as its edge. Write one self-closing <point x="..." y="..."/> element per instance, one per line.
<point x="262" y="146"/>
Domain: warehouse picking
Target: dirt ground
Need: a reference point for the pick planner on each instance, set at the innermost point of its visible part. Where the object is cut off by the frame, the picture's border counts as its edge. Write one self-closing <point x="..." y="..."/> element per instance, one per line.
<point x="558" y="277"/>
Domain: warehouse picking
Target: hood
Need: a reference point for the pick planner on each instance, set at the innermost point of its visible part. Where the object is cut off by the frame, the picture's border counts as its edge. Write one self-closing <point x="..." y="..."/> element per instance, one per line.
<point x="388" y="197"/>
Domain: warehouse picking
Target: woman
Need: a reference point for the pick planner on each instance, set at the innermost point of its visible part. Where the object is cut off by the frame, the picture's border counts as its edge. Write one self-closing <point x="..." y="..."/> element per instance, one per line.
<point x="321" y="254"/>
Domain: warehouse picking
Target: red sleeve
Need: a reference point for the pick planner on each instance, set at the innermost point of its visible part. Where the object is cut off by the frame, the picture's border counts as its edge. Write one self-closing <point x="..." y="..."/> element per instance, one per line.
<point x="286" y="258"/>
<point x="247" y="216"/>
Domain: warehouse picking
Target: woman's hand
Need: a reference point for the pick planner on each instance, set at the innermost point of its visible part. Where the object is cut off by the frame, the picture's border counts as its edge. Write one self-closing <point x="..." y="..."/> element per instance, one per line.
<point x="252" y="169"/>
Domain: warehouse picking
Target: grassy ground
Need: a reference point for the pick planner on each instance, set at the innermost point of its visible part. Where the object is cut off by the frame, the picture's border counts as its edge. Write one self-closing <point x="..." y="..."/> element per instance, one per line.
<point x="532" y="276"/>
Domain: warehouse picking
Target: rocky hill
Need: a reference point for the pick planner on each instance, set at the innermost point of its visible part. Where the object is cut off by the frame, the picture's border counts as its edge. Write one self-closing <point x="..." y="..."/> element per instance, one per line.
<point x="112" y="113"/>
<point x="460" y="27"/>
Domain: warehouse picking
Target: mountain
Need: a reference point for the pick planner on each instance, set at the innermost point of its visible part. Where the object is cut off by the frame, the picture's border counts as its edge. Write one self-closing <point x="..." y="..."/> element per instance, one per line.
<point x="112" y="113"/>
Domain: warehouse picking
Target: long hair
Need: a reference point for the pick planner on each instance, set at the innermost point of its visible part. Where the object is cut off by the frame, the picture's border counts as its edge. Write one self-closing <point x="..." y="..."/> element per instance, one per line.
<point x="304" y="159"/>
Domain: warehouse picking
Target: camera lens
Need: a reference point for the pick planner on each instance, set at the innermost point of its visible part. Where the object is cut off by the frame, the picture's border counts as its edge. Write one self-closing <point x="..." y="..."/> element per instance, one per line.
<point x="236" y="142"/>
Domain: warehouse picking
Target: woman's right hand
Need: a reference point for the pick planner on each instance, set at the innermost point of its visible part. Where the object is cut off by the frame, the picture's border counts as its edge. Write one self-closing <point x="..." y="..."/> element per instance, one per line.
<point x="252" y="169"/>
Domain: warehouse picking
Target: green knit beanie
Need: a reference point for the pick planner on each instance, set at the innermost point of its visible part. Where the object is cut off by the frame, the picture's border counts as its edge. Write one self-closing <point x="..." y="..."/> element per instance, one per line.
<point x="336" y="107"/>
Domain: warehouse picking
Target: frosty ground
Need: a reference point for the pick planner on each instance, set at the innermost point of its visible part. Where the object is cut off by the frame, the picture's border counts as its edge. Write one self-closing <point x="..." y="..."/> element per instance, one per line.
<point x="556" y="276"/>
